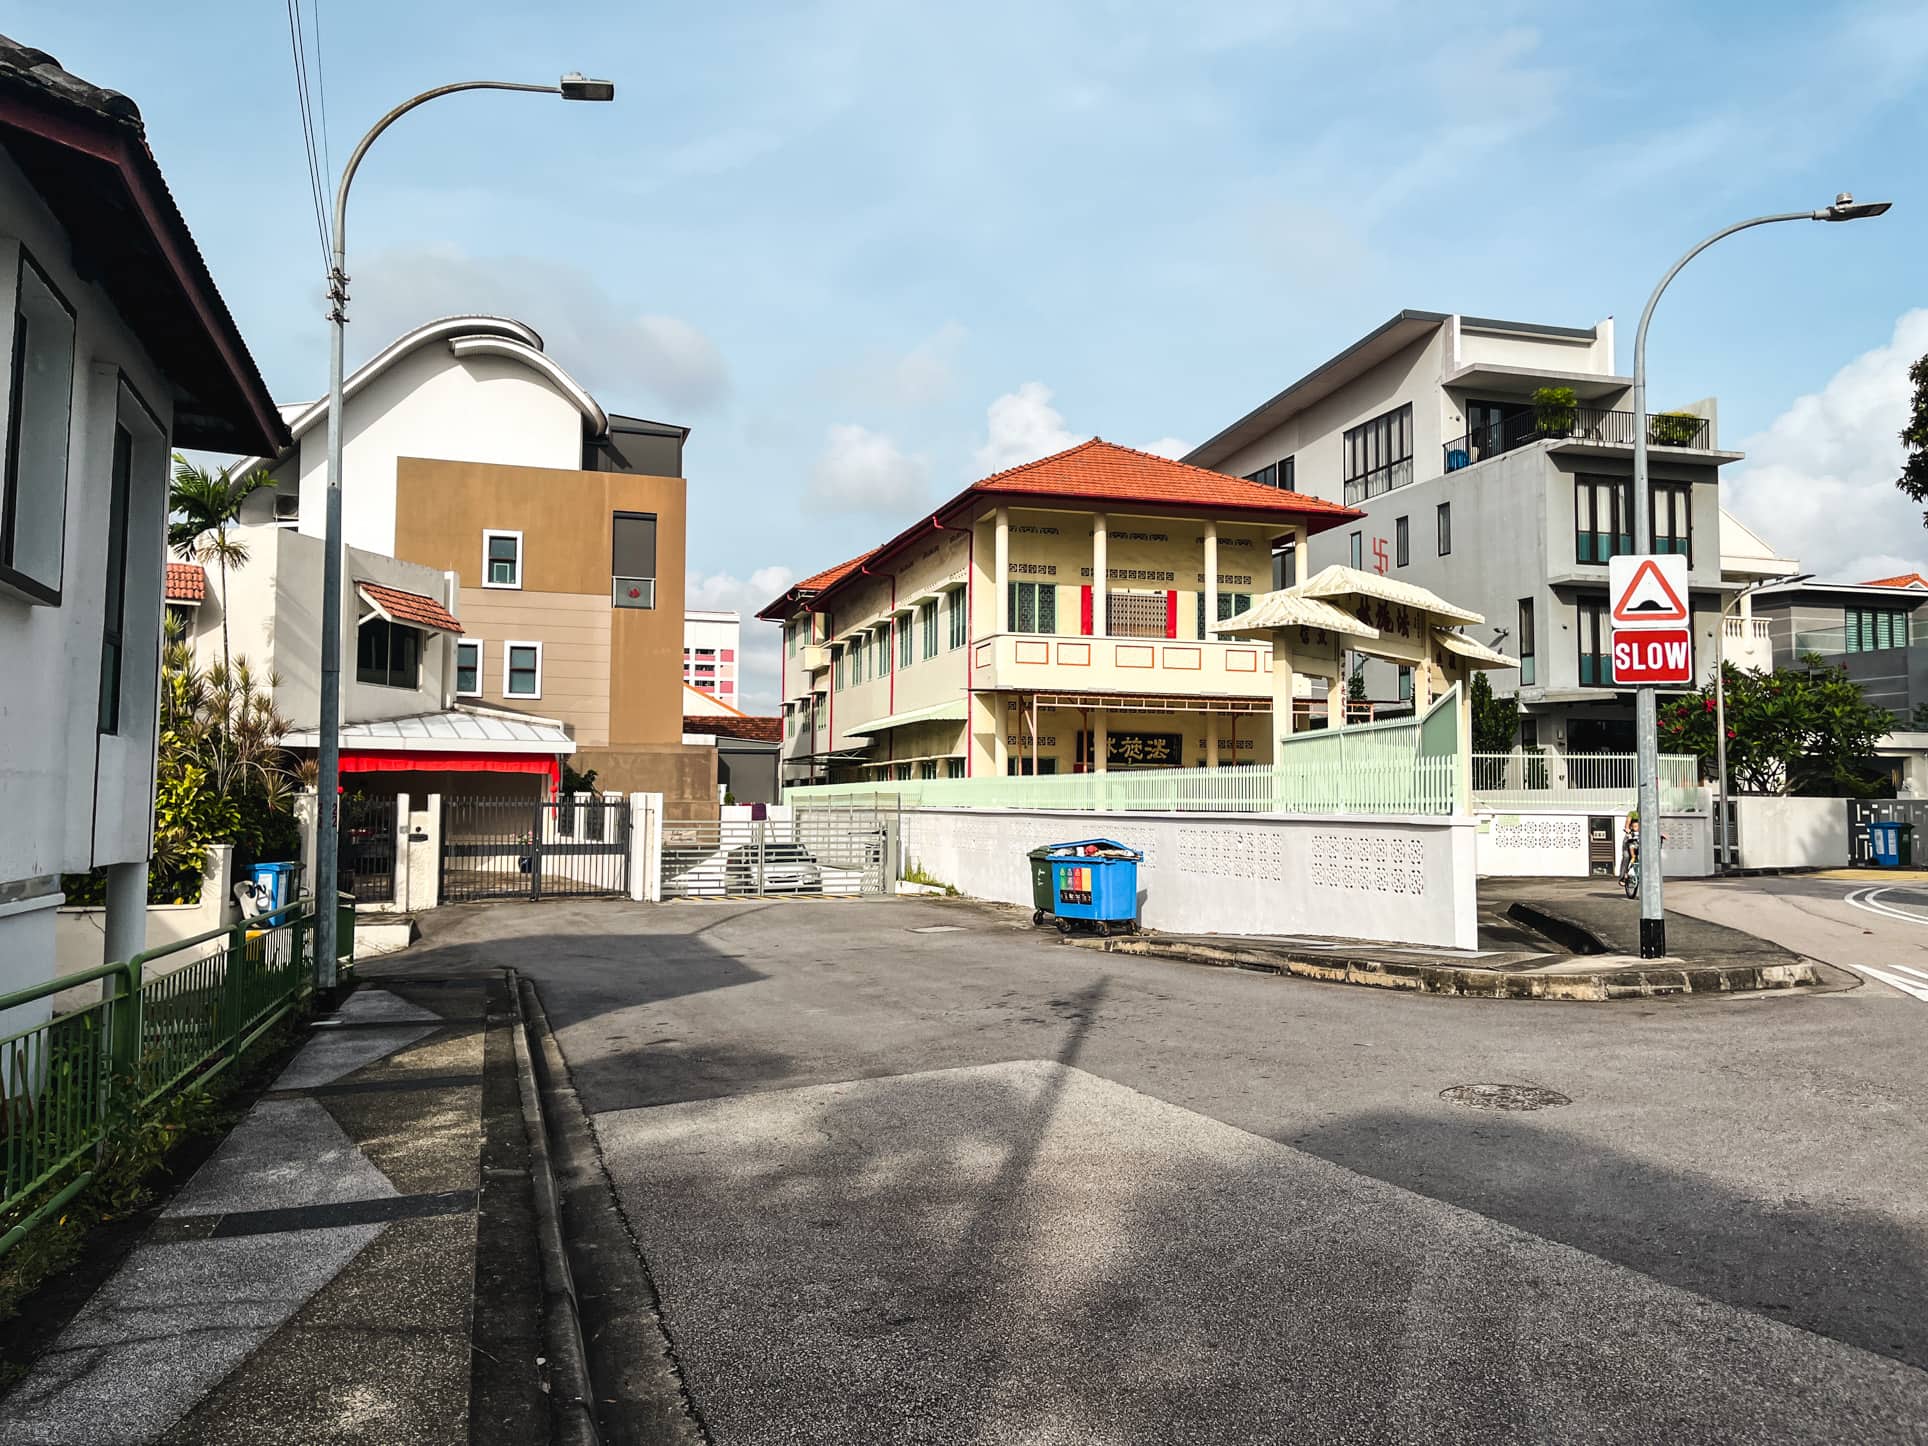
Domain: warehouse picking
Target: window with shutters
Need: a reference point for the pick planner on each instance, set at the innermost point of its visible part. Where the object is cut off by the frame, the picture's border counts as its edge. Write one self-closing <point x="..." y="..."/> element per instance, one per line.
<point x="928" y="620"/>
<point x="906" y="641"/>
<point x="959" y="620"/>
<point x="1034" y="607"/>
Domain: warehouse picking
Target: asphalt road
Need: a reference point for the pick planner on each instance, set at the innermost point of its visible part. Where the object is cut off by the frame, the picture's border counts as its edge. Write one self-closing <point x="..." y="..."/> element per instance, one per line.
<point x="1876" y="928"/>
<point x="972" y="1186"/>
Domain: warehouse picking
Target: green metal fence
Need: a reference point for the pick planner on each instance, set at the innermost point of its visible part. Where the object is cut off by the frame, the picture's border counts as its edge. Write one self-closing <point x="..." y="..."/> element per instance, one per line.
<point x="1406" y="766"/>
<point x="158" y="1026"/>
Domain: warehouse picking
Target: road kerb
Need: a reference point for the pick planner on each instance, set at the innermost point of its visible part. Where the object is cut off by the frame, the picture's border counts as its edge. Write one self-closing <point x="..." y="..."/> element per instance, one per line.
<point x="1469" y="981"/>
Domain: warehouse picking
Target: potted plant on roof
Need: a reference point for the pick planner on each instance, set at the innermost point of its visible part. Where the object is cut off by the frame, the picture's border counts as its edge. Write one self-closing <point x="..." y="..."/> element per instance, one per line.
<point x="1553" y="411"/>
<point x="1673" y="429"/>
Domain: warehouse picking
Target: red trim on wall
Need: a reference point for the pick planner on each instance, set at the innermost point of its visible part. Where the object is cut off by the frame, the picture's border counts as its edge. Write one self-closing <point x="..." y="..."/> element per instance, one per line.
<point x="1084" y="610"/>
<point x="396" y="761"/>
<point x="1171" y="614"/>
<point x="970" y="642"/>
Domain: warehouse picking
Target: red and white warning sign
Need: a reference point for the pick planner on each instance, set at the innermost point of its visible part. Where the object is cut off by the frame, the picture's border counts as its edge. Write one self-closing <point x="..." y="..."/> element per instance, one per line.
<point x="1649" y="590"/>
<point x="1647" y="657"/>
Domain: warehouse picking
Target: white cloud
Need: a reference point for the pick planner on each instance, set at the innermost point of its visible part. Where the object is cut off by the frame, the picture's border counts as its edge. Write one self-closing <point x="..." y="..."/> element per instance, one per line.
<point x="864" y="471"/>
<point x="759" y="661"/>
<point x="1167" y="447"/>
<point x="1819" y="483"/>
<point x="1022" y="427"/>
<point x="629" y="361"/>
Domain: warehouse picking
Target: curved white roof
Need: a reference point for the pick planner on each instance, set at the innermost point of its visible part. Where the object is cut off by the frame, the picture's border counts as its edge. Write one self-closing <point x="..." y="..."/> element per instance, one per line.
<point x="1341" y="581"/>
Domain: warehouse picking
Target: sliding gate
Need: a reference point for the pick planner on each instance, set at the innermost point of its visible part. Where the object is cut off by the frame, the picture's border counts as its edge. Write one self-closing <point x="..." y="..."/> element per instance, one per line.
<point x="819" y="852"/>
<point x="511" y="848"/>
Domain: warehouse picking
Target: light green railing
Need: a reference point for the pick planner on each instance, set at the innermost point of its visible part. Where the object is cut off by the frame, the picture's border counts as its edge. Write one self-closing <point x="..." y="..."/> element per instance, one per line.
<point x="1604" y="782"/>
<point x="66" y="1080"/>
<point x="1407" y="766"/>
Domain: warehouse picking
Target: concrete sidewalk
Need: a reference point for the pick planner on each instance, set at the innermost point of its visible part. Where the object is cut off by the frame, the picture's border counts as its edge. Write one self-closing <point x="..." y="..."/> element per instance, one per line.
<point x="1572" y="939"/>
<point x="316" y="1280"/>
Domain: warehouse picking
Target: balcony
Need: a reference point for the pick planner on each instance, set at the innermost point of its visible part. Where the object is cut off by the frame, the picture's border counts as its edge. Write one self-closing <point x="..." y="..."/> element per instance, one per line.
<point x="1574" y="424"/>
<point x="1026" y="662"/>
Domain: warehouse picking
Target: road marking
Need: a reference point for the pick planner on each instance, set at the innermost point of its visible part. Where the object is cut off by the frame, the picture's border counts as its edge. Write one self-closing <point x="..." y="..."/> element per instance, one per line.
<point x="1869" y="901"/>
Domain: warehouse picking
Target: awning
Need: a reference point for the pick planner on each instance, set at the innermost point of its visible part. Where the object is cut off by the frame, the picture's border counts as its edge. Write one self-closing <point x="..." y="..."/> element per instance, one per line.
<point x="1478" y="652"/>
<point x="1291" y="609"/>
<point x="410" y="609"/>
<point x="951" y="712"/>
<point x="459" y="730"/>
<point x="385" y="761"/>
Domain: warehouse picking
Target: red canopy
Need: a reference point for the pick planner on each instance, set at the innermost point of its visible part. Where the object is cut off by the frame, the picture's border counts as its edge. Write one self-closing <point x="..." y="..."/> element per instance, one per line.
<point x="379" y="760"/>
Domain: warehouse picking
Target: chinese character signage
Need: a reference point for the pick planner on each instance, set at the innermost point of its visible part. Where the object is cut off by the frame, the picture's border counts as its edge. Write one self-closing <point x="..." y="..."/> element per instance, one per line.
<point x="1137" y="750"/>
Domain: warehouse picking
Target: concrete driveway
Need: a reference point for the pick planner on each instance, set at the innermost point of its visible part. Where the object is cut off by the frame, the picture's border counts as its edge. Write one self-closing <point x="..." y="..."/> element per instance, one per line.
<point x="912" y="1172"/>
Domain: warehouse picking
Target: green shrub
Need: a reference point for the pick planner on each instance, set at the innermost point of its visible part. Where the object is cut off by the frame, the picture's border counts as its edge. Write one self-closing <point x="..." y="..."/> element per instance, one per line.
<point x="1554" y="409"/>
<point x="1673" y="429"/>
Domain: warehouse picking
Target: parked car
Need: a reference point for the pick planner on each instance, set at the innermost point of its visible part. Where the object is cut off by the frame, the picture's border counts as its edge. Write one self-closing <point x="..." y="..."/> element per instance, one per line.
<point x="787" y="868"/>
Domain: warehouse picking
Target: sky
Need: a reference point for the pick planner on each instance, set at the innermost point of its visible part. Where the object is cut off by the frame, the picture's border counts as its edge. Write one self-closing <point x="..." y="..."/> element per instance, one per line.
<point x="869" y="252"/>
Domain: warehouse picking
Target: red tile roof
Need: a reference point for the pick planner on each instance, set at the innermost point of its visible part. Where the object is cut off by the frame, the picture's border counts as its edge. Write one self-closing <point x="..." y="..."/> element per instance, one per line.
<point x="779" y="607"/>
<point x="410" y="607"/>
<point x="1906" y="579"/>
<point x="746" y="726"/>
<point x="1102" y="471"/>
<point x="186" y="582"/>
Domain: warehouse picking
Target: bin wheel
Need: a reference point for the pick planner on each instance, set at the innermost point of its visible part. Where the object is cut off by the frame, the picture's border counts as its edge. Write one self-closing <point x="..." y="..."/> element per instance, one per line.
<point x="1132" y="925"/>
<point x="1064" y="926"/>
<point x="1037" y="917"/>
<point x="1104" y="929"/>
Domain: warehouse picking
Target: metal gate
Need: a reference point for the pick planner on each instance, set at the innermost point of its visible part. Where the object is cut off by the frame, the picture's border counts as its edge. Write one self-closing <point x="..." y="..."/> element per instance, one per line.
<point x="511" y="848"/>
<point x="368" y="846"/>
<point x="817" y="853"/>
<point x="1864" y="811"/>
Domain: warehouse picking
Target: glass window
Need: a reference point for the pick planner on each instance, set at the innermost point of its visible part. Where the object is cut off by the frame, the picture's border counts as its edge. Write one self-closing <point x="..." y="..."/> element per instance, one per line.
<point x="953" y="768"/>
<point x="468" y="668"/>
<point x="1401" y="542"/>
<point x="1267" y="476"/>
<point x="960" y="625"/>
<point x="1230" y="605"/>
<point x="1526" y="640"/>
<point x="906" y="640"/>
<point x="839" y="669"/>
<point x="1379" y="454"/>
<point x="881" y="642"/>
<point x="928" y="618"/>
<point x="114" y="616"/>
<point x="40" y="389"/>
<point x="1444" y="517"/>
<point x="1405" y="685"/>
<point x="632" y="558"/>
<point x="387" y="654"/>
<point x="1596" y="644"/>
<point x="1034" y="607"/>
<point x="1289" y="474"/>
<point x="522" y="670"/>
<point x="1602" y="518"/>
<point x="1356" y="549"/>
<point x="1672" y="521"/>
<point x="502" y="559"/>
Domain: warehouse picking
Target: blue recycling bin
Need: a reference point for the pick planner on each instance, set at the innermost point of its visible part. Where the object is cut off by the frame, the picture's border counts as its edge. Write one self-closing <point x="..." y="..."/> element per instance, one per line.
<point x="1099" y="887"/>
<point x="275" y="883"/>
<point x="1890" y="843"/>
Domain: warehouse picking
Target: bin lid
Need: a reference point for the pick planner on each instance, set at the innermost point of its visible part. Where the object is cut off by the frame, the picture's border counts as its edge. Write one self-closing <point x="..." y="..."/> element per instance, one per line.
<point x="1121" y="850"/>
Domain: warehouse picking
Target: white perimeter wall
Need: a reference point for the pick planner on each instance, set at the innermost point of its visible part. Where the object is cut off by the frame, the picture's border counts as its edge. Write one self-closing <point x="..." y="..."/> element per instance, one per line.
<point x="1397" y="879"/>
<point x="1792" y="833"/>
<point x="1552" y="844"/>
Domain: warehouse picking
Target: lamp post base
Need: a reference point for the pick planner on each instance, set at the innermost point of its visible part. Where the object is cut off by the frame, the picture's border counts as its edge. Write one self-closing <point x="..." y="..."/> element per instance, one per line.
<point x="1653" y="938"/>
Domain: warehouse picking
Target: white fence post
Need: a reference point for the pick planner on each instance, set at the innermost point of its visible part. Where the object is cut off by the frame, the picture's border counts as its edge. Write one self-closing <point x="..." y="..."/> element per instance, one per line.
<point x="646" y="847"/>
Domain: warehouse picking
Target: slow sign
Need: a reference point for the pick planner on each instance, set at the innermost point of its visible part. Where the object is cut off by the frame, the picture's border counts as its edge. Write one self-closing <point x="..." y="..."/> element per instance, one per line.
<point x="1653" y="657"/>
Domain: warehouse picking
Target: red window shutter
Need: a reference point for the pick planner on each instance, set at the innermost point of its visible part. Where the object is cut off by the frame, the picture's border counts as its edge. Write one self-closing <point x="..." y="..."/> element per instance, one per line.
<point x="1171" y="614"/>
<point x="1084" y="610"/>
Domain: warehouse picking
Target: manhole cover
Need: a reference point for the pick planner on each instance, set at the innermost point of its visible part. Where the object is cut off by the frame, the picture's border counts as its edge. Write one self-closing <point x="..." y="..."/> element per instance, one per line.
<point x="1503" y="1096"/>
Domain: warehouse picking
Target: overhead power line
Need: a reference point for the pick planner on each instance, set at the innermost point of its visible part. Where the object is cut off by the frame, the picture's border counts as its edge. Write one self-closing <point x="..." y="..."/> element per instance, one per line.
<point x="297" y="50"/>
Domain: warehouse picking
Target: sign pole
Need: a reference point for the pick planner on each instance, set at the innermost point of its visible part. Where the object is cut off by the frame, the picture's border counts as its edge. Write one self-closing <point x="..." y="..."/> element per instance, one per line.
<point x="1653" y="918"/>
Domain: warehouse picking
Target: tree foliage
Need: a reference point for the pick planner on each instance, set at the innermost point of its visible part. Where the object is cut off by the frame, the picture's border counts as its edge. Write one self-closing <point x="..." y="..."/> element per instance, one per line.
<point x="1914" y="439"/>
<point x="201" y="507"/>
<point x="1496" y="720"/>
<point x="1802" y="730"/>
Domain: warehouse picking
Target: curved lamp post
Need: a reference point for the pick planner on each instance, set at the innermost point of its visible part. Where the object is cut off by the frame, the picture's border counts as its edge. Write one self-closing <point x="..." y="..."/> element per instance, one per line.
<point x="573" y="86"/>
<point x="1653" y="920"/>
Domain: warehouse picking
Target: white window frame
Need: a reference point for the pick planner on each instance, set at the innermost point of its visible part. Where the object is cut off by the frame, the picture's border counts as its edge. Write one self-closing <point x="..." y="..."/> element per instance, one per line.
<point x="508" y="652"/>
<point x="481" y="660"/>
<point x="489" y="534"/>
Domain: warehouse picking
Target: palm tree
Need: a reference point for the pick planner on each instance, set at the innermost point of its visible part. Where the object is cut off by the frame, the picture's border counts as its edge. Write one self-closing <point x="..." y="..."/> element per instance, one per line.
<point x="201" y="507"/>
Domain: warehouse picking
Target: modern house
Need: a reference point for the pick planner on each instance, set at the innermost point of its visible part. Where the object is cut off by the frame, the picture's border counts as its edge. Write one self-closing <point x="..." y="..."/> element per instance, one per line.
<point x="1472" y="488"/>
<point x="121" y="349"/>
<point x="469" y="450"/>
<point x="1878" y="631"/>
<point x="1051" y="618"/>
<point x="712" y="644"/>
<point x="411" y="719"/>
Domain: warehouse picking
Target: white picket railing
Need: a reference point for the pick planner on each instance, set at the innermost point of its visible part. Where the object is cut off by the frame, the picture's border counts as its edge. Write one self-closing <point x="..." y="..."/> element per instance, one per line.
<point x="1606" y="782"/>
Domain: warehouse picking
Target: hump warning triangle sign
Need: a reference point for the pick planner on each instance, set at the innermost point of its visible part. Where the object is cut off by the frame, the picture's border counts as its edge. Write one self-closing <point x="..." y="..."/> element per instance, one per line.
<point x="1648" y="591"/>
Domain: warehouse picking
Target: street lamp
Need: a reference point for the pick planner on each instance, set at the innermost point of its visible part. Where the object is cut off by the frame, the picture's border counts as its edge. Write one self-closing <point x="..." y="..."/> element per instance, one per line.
<point x="1720" y="702"/>
<point x="1653" y="919"/>
<point x="573" y="86"/>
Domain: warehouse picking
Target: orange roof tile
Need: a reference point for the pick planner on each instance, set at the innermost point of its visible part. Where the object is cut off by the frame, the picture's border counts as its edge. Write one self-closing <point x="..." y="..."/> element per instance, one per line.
<point x="186" y="582"/>
<point x="1105" y="472"/>
<point x="747" y="726"/>
<point x="410" y="607"/>
<point x="816" y="582"/>
<point x="1906" y="579"/>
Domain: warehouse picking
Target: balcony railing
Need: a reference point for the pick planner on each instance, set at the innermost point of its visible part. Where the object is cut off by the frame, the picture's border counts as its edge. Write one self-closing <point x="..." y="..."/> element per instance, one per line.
<point x="1755" y="630"/>
<point x="1574" y="424"/>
